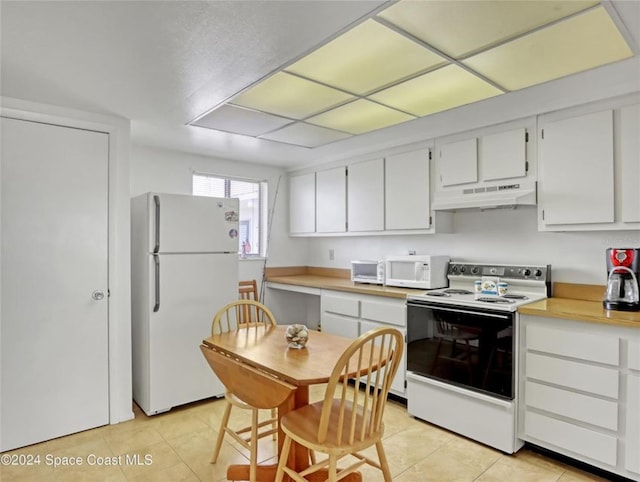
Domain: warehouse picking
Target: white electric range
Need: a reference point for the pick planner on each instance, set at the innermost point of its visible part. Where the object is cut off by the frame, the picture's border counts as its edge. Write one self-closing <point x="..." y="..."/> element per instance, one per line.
<point x="462" y="362"/>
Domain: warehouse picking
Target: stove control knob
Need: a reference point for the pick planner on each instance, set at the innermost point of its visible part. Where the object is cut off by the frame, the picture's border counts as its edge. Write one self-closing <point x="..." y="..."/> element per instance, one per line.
<point x="527" y="272"/>
<point x="538" y="272"/>
<point x="462" y="269"/>
<point x="454" y="269"/>
<point x="475" y="270"/>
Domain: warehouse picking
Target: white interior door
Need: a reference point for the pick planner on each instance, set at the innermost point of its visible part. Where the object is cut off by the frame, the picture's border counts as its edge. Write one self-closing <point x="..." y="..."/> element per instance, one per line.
<point x="53" y="333"/>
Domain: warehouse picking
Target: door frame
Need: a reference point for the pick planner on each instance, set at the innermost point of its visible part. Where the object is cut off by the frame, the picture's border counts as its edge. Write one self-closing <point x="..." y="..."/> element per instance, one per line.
<point x="119" y="250"/>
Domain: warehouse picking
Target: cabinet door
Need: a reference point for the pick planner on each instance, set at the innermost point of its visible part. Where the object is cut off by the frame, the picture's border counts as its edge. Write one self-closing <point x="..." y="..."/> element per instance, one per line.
<point x="397" y="386"/>
<point x="407" y="191"/>
<point x="302" y="203"/>
<point x="365" y="196"/>
<point x="577" y="169"/>
<point x="458" y="162"/>
<point x="630" y="163"/>
<point x="632" y="445"/>
<point x="331" y="201"/>
<point x="503" y="155"/>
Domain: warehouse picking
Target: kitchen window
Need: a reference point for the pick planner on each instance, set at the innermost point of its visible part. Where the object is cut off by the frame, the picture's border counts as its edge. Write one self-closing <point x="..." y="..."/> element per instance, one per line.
<point x="253" y="207"/>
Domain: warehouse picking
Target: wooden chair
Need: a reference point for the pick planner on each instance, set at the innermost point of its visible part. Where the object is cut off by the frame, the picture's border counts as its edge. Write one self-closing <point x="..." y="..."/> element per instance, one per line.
<point x="248" y="290"/>
<point x="239" y="315"/>
<point x="254" y="389"/>
<point x="349" y="419"/>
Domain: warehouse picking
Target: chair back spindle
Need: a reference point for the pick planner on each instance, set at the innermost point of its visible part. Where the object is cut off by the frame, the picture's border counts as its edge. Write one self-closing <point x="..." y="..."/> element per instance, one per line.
<point x="375" y="356"/>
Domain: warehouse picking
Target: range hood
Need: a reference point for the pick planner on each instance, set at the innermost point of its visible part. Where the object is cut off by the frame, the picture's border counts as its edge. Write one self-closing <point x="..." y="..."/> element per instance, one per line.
<point x="489" y="197"/>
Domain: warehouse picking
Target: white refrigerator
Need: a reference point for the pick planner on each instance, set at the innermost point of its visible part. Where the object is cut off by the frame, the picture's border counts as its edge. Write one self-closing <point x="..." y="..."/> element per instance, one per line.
<point x="184" y="258"/>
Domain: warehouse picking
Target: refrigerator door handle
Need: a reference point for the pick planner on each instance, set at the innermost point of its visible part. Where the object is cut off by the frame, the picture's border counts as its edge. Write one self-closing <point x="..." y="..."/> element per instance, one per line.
<point x="156" y="261"/>
<point x="156" y="202"/>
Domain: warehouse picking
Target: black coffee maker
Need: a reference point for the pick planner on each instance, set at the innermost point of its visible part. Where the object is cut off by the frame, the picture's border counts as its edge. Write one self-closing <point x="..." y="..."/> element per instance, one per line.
<point x="623" y="269"/>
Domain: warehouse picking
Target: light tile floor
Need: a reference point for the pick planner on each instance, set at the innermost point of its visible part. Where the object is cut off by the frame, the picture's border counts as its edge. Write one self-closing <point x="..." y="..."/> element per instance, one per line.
<point x="177" y="446"/>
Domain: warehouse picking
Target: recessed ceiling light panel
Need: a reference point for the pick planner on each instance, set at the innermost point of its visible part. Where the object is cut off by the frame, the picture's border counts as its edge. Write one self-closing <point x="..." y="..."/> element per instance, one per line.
<point x="459" y="28"/>
<point x="238" y="120"/>
<point x="359" y="117"/>
<point x="442" y="89"/>
<point x="588" y="40"/>
<point x="290" y="96"/>
<point x="365" y="58"/>
<point x="306" y="135"/>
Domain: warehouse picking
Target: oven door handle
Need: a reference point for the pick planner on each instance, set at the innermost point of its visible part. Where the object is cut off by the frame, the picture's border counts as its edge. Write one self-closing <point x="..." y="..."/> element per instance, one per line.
<point x="467" y="312"/>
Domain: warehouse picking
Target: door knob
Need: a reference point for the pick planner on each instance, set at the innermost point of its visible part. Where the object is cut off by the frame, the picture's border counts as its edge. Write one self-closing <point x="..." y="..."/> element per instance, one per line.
<point x="97" y="295"/>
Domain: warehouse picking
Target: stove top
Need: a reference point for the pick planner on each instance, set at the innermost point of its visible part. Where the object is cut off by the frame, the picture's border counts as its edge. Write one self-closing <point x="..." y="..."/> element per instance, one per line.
<point x="524" y="284"/>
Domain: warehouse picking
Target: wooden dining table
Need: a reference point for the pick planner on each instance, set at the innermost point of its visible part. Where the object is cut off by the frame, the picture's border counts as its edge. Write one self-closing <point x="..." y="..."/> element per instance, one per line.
<point x="265" y="348"/>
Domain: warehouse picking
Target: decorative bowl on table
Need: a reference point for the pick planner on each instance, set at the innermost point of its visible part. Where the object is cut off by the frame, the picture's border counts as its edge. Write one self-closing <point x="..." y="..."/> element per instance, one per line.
<point x="297" y="336"/>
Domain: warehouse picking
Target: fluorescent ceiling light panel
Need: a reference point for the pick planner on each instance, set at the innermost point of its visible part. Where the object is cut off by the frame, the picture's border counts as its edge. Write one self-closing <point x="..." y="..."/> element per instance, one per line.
<point x="290" y="96"/>
<point x="588" y="40"/>
<point x="365" y="58"/>
<point x="305" y="135"/>
<point x="459" y="28"/>
<point x="359" y="117"/>
<point x="239" y="120"/>
<point x="445" y="88"/>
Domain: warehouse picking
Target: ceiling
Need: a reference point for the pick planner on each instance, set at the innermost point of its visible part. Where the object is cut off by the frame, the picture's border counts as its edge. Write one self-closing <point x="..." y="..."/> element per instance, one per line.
<point x="162" y="64"/>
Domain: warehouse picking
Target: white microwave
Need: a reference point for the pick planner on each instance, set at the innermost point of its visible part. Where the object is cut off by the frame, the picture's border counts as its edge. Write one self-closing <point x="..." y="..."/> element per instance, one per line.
<point x="417" y="271"/>
<point x="371" y="272"/>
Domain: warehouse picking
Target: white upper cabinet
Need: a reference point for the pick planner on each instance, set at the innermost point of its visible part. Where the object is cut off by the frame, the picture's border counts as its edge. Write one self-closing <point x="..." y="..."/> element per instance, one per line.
<point x="630" y="163"/>
<point x="302" y="205"/>
<point x="365" y="196"/>
<point x="407" y="190"/>
<point x="331" y="201"/>
<point x="590" y="167"/>
<point x="486" y="168"/>
<point x="458" y="162"/>
<point x="576" y="163"/>
<point x="504" y="155"/>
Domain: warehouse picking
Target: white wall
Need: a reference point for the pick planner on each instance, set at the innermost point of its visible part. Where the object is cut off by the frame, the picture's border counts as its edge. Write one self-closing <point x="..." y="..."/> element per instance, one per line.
<point x="161" y="170"/>
<point x="501" y="235"/>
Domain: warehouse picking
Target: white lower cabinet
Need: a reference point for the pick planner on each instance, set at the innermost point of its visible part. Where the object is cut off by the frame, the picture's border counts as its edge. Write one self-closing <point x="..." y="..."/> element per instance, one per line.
<point x="377" y="312"/>
<point x="350" y="315"/>
<point x="580" y="393"/>
<point x="339" y="314"/>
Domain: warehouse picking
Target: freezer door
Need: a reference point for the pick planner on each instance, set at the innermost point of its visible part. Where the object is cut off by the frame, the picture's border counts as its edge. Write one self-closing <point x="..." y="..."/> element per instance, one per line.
<point x="190" y="289"/>
<point x="192" y="224"/>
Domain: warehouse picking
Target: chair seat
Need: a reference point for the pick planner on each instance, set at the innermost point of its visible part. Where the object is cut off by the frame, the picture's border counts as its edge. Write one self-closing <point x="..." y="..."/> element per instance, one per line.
<point x="302" y="426"/>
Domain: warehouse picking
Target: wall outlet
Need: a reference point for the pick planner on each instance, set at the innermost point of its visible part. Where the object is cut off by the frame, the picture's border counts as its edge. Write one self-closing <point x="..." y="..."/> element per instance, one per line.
<point x="332" y="254"/>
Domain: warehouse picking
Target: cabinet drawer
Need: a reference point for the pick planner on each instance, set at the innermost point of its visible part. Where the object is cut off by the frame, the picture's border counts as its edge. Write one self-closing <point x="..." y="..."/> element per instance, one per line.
<point x="583" y="441"/>
<point x="588" y="378"/>
<point x="587" y="409"/>
<point x="584" y="346"/>
<point x="385" y="312"/>
<point x="633" y="357"/>
<point x="339" y="325"/>
<point x="340" y="304"/>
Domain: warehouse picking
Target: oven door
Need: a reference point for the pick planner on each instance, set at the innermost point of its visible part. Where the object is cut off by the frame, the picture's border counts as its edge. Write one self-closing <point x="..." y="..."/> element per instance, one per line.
<point x="469" y="347"/>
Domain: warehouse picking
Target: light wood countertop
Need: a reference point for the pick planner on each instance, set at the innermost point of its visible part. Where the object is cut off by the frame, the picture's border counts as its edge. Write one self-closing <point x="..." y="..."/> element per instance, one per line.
<point x="584" y="304"/>
<point x="332" y="279"/>
<point x="578" y="302"/>
<point x="340" y="284"/>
